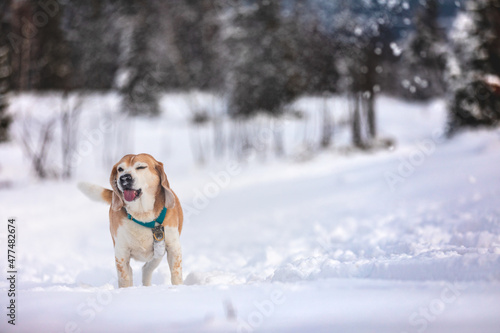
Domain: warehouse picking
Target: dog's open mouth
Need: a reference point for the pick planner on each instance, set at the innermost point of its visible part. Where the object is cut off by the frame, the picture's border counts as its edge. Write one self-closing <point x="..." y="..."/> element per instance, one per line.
<point x="131" y="195"/>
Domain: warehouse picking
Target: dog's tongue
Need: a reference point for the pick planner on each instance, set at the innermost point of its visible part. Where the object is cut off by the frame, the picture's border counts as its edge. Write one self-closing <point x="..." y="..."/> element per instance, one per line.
<point x="129" y="195"/>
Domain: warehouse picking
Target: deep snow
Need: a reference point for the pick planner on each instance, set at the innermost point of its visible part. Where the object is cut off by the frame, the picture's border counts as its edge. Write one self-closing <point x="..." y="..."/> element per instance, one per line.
<point x="399" y="240"/>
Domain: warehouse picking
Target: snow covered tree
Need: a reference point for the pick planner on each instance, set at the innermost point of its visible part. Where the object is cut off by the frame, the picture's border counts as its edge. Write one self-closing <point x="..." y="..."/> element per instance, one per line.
<point x="39" y="57"/>
<point x="53" y="54"/>
<point x="5" y="71"/>
<point x="486" y="32"/>
<point x="364" y="38"/>
<point x="138" y="77"/>
<point x="319" y="62"/>
<point x="91" y="32"/>
<point x="424" y="57"/>
<point x="316" y="49"/>
<point x="192" y="30"/>
<point x="475" y="69"/>
<point x="261" y="58"/>
<point x="24" y="45"/>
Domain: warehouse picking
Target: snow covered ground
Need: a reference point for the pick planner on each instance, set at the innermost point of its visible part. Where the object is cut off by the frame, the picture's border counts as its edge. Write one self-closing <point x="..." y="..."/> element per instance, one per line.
<point x="399" y="240"/>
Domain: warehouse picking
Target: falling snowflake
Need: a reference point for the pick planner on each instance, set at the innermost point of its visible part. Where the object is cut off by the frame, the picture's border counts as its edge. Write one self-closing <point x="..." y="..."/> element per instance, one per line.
<point x="396" y="50"/>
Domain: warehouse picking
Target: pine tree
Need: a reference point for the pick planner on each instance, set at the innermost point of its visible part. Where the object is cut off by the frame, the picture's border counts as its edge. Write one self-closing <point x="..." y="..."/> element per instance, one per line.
<point x="425" y="57"/>
<point x="486" y="14"/>
<point x="262" y="72"/>
<point x="5" y="70"/>
<point x="192" y="30"/>
<point x="475" y="70"/>
<point x="363" y="51"/>
<point x="52" y="52"/>
<point x="39" y="57"/>
<point x="140" y="87"/>
<point x="91" y="29"/>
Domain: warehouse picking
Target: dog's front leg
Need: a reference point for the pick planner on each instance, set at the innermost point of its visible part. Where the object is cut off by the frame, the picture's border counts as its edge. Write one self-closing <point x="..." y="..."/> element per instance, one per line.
<point x="147" y="270"/>
<point x="125" y="277"/>
<point x="174" y="254"/>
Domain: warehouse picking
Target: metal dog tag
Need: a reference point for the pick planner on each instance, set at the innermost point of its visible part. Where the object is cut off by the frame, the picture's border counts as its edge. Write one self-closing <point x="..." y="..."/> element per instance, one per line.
<point x="158" y="233"/>
<point x="158" y="241"/>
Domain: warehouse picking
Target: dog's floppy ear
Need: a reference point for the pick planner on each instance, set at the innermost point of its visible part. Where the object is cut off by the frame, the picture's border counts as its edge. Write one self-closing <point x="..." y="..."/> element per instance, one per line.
<point x="116" y="200"/>
<point x="169" y="195"/>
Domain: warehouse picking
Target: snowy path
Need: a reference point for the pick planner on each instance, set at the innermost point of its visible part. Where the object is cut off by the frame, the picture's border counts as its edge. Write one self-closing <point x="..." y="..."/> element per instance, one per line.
<point x="322" y="246"/>
<point x="323" y="306"/>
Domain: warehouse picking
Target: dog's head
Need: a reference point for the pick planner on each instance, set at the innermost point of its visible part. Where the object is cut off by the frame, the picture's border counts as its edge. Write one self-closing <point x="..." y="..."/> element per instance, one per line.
<point x="137" y="178"/>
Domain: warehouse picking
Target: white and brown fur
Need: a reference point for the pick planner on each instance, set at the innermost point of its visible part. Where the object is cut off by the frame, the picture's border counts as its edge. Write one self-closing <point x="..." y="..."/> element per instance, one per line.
<point x="130" y="239"/>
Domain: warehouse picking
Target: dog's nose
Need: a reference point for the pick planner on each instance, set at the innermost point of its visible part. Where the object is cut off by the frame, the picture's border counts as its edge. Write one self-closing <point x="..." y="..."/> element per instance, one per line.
<point x="126" y="179"/>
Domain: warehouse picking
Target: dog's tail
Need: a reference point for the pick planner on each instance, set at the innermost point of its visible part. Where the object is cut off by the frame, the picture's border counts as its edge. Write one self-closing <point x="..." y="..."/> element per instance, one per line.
<point x="96" y="192"/>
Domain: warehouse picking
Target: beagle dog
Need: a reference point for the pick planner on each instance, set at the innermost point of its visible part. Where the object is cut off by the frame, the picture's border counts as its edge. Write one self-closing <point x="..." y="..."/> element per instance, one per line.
<point x="145" y="215"/>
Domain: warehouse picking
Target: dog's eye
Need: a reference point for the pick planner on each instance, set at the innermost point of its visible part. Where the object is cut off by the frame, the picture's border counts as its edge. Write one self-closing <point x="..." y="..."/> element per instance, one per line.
<point x="120" y="169"/>
<point x="140" y="168"/>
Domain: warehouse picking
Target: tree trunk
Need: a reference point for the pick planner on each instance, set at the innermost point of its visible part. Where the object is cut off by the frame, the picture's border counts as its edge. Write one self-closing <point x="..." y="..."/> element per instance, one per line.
<point x="372" y="121"/>
<point x="357" y="139"/>
<point x="5" y="72"/>
<point x="327" y="127"/>
<point x="69" y="132"/>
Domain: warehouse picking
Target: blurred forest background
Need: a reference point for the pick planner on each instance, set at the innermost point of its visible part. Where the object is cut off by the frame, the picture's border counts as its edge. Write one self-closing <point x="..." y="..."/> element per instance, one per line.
<point x="258" y="56"/>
